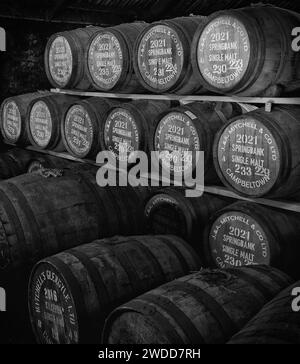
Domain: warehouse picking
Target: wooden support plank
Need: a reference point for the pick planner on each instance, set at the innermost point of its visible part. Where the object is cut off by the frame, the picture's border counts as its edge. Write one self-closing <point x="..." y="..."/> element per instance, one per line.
<point x="214" y="190"/>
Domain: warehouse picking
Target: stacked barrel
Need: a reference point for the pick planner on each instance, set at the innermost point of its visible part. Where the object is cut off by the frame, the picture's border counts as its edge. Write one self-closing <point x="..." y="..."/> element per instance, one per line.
<point x="104" y="261"/>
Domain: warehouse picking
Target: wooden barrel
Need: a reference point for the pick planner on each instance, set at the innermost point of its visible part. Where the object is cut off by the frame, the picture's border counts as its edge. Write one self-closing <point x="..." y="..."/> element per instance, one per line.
<point x="247" y="52"/>
<point x="13" y="117"/>
<point x="169" y="212"/>
<point x="105" y="273"/>
<point x="277" y="323"/>
<point x="162" y="56"/>
<point x="43" y="216"/>
<point x="258" y="154"/>
<point x="246" y="234"/>
<point x="65" y="58"/>
<point x="110" y="58"/>
<point x="207" y="307"/>
<point x="44" y="121"/>
<point x="129" y="126"/>
<point x="83" y="126"/>
<point x="191" y="128"/>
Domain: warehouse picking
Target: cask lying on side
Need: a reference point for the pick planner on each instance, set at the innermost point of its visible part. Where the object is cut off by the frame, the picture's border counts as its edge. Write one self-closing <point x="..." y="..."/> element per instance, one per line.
<point x="207" y="307"/>
<point x="85" y="284"/>
<point x="83" y="126"/>
<point x="258" y="154"/>
<point x="277" y="323"/>
<point x="248" y="52"/>
<point x="13" y="117"/>
<point x="191" y="128"/>
<point x="43" y="216"/>
<point x="129" y="126"/>
<point x="65" y="58"/>
<point x="170" y="212"/>
<point x="44" y="118"/>
<point x="246" y="234"/>
<point x="110" y="58"/>
<point x="162" y="56"/>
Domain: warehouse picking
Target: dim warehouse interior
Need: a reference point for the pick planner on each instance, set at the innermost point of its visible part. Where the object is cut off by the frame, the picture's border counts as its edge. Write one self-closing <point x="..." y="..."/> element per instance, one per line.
<point x="150" y="261"/>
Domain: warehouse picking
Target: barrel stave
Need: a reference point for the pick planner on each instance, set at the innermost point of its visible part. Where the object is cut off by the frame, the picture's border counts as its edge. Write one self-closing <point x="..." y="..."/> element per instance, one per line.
<point x="206" y="307"/>
<point x="107" y="273"/>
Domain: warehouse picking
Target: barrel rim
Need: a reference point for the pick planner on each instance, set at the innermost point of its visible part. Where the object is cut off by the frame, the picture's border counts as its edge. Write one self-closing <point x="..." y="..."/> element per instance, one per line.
<point x="255" y="34"/>
<point x="73" y="75"/>
<point x="243" y="207"/>
<point x="139" y="120"/>
<point x="94" y="120"/>
<point x="54" y="139"/>
<point x="196" y="123"/>
<point x="3" y="131"/>
<point x="180" y="206"/>
<point x="48" y="262"/>
<point x="283" y="148"/>
<point x="127" y="67"/>
<point x="186" y="43"/>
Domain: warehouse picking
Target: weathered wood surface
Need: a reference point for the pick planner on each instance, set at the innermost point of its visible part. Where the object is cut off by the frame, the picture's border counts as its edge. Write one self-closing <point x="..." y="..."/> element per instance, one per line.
<point x="207" y="307"/>
<point x="85" y="284"/>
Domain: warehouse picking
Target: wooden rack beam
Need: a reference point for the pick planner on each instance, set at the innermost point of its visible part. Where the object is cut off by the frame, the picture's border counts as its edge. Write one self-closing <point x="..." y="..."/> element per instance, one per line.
<point x="215" y="190"/>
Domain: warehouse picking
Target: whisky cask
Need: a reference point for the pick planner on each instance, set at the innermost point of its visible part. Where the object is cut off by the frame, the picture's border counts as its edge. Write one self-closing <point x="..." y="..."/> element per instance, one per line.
<point x="129" y="126"/>
<point x="44" y="118"/>
<point x="277" y="323"/>
<point x="83" y="126"/>
<point x="247" y="52"/>
<point x="246" y="234"/>
<point x="13" y="118"/>
<point x="85" y="284"/>
<point x="43" y="216"/>
<point x="191" y="128"/>
<point x="65" y="58"/>
<point x="258" y="154"/>
<point x="110" y="58"/>
<point x="207" y="307"/>
<point x="169" y="212"/>
<point x="162" y="56"/>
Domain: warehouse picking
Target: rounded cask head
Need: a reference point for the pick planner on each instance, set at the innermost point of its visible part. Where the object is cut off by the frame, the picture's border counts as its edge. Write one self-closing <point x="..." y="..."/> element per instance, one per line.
<point x="161" y="57"/>
<point x="165" y="215"/>
<point x="121" y="133"/>
<point x="223" y="52"/>
<point x="106" y="58"/>
<point x="78" y="131"/>
<point x="40" y="124"/>
<point x="176" y="137"/>
<point x="60" y="60"/>
<point x="52" y="307"/>
<point x="248" y="156"/>
<point x="11" y="121"/>
<point x="237" y="239"/>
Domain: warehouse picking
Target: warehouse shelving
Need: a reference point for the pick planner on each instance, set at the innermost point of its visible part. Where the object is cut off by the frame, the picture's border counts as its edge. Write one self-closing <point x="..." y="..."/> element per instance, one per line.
<point x="215" y="190"/>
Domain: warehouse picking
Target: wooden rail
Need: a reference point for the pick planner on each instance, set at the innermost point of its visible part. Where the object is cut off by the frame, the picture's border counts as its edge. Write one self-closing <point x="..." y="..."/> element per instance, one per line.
<point x="215" y="190"/>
